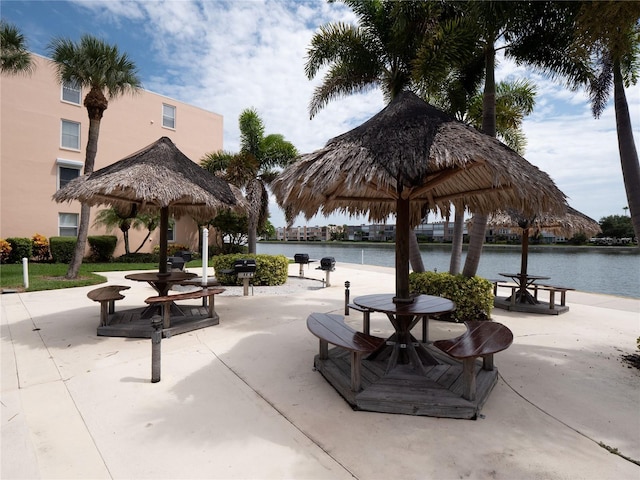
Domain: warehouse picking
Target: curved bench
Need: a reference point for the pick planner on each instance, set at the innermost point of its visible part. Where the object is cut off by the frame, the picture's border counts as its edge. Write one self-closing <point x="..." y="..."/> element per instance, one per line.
<point x="107" y="297"/>
<point x="482" y="339"/>
<point x="331" y="329"/>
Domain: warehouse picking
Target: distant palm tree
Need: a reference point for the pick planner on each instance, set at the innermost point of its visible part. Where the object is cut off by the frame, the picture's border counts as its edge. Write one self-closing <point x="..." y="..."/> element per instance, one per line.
<point x="14" y="55"/>
<point x="253" y="168"/>
<point x="93" y="64"/>
<point x="110" y="219"/>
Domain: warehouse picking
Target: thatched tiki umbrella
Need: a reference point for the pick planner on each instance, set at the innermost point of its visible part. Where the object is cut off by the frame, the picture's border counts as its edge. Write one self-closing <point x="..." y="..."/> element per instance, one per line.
<point x="568" y="223"/>
<point x="409" y="159"/>
<point x="158" y="177"/>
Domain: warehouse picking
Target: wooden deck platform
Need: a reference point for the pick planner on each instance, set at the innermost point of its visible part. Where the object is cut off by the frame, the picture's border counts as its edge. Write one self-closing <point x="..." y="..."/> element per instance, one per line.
<point x="542" y="307"/>
<point x="403" y="390"/>
<point x="128" y="323"/>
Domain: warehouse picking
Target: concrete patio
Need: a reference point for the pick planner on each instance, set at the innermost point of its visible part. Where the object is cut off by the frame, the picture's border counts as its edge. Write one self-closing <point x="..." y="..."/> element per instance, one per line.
<point x="241" y="400"/>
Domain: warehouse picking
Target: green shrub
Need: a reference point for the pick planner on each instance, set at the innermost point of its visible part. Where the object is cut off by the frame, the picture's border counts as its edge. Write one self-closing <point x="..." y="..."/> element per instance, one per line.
<point x="473" y="296"/>
<point x="270" y="269"/>
<point x="172" y="248"/>
<point x="20" y="248"/>
<point x="62" y="248"/>
<point x="139" y="258"/>
<point x="102" y="247"/>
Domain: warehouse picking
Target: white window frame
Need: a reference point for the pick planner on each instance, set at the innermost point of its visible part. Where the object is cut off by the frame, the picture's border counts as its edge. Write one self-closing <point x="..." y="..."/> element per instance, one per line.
<point x="68" y="225"/>
<point x="64" y="163"/>
<point x="69" y="122"/>
<point x="167" y="118"/>
<point x="71" y="87"/>
<point x="171" y="231"/>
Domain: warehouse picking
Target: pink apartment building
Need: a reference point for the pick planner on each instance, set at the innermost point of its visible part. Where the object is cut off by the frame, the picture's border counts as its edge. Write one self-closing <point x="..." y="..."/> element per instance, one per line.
<point x="43" y="135"/>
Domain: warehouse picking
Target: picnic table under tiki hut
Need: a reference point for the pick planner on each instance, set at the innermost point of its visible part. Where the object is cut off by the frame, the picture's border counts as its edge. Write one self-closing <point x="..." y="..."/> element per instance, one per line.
<point x="408" y="160"/>
<point x="157" y="178"/>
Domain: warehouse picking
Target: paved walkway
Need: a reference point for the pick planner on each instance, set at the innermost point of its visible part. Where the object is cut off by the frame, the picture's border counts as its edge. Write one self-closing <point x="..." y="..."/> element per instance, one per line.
<point x="241" y="400"/>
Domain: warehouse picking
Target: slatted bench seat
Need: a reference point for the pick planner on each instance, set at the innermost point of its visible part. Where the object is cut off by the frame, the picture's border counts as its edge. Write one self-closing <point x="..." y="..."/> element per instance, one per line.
<point x="552" y="289"/>
<point x="482" y="339"/>
<point x="167" y="300"/>
<point x="107" y="297"/>
<point x="331" y="329"/>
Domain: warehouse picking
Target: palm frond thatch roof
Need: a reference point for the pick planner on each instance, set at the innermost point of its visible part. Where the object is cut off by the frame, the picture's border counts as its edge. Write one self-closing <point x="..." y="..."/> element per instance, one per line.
<point x="157" y="176"/>
<point x="567" y="224"/>
<point x="412" y="150"/>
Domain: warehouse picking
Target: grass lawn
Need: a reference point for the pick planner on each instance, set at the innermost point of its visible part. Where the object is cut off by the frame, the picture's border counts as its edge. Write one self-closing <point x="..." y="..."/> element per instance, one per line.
<point x="50" y="276"/>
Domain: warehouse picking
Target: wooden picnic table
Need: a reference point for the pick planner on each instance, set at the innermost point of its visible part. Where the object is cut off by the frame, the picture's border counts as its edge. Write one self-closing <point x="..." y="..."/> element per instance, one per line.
<point x="523" y="281"/>
<point x="161" y="283"/>
<point x="404" y="316"/>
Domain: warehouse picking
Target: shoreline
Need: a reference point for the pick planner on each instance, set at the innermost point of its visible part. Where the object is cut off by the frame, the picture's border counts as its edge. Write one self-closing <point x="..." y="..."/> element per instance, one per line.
<point x="465" y="246"/>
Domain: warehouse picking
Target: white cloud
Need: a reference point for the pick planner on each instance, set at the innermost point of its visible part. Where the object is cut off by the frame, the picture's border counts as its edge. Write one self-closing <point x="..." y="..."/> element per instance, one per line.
<point x="228" y="56"/>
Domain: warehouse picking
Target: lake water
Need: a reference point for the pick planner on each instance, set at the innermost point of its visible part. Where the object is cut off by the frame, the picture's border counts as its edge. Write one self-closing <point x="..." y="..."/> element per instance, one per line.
<point x="610" y="270"/>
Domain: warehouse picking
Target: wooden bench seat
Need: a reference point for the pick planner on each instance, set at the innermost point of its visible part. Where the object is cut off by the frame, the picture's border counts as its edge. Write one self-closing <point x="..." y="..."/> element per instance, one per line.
<point x="552" y="289"/>
<point x="482" y="339"/>
<point x="107" y="297"/>
<point x="331" y="329"/>
<point x="167" y="300"/>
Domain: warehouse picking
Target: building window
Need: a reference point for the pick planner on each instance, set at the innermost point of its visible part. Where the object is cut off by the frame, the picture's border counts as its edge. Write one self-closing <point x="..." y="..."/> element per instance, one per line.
<point x="171" y="231"/>
<point x="168" y="116"/>
<point x="68" y="224"/>
<point x="70" y="135"/>
<point x="71" y="92"/>
<point x="67" y="170"/>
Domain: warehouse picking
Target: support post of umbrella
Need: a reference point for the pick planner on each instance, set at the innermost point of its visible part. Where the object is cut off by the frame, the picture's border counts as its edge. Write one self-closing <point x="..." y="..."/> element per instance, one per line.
<point x="156" y="339"/>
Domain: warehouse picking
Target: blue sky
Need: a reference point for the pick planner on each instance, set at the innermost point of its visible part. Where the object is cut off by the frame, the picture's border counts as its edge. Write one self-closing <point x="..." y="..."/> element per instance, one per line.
<point x="225" y="56"/>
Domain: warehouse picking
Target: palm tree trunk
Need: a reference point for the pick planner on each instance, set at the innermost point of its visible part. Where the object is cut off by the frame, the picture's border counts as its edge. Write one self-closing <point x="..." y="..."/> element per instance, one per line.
<point x="627" y="149"/>
<point x="415" y="257"/>
<point x="252" y="233"/>
<point x="85" y="210"/>
<point x="456" y="244"/>
<point x="476" y="239"/>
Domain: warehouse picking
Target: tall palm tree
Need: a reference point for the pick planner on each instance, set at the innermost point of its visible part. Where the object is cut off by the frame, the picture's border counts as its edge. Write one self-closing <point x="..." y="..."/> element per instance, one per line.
<point x="93" y="64"/>
<point x="14" y="55"/>
<point x="253" y="168"/>
<point x="537" y="33"/>
<point x="381" y="51"/>
<point x="514" y="101"/>
<point x="610" y="34"/>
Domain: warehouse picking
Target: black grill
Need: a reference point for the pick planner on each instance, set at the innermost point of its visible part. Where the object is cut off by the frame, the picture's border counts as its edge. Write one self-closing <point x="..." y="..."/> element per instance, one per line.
<point x="328" y="263"/>
<point x="245" y="266"/>
<point x="302" y="258"/>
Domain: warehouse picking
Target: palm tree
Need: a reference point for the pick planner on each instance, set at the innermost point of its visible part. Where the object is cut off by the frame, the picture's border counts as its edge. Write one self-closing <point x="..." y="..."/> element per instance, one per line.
<point x="514" y="101"/>
<point x="609" y="32"/>
<point x="110" y="219"/>
<point x="381" y="51"/>
<point x="93" y="64"/>
<point x="538" y="33"/>
<point x="253" y="168"/>
<point x="14" y="55"/>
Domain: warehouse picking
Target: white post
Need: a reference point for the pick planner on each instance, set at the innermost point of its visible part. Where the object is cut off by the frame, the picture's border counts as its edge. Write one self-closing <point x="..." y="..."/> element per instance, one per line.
<point x="25" y="272"/>
<point x="362" y="257"/>
<point x="205" y="254"/>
